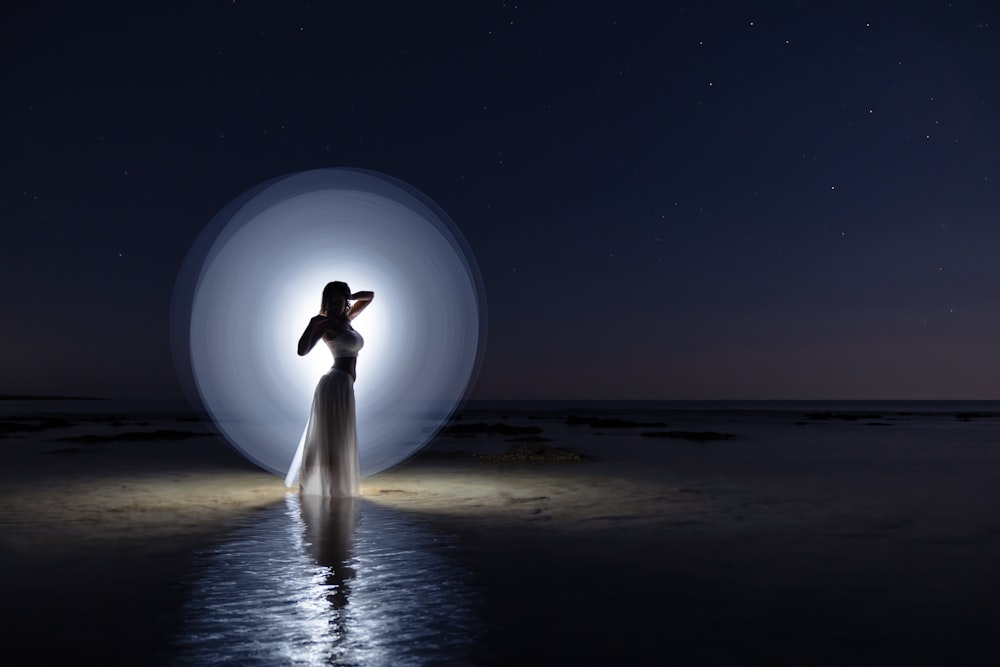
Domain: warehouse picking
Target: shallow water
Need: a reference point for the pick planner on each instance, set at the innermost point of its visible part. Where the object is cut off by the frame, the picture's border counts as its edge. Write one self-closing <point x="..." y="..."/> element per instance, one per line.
<point x="329" y="582"/>
<point x="802" y="540"/>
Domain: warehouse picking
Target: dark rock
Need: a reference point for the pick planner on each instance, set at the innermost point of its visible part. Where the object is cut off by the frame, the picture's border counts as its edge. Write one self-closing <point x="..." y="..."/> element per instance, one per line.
<point x="598" y="422"/>
<point x="844" y="416"/>
<point x="16" y="424"/>
<point x="432" y="454"/>
<point x="162" y="434"/>
<point x="490" y="429"/>
<point x="698" y="436"/>
<point x="534" y="452"/>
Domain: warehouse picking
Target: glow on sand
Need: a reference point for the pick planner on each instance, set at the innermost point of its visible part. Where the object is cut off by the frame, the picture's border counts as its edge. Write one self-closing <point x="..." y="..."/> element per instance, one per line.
<point x="253" y="279"/>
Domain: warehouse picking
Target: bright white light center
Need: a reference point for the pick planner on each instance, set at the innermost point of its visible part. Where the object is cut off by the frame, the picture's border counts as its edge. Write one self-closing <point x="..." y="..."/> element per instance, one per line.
<point x="260" y="273"/>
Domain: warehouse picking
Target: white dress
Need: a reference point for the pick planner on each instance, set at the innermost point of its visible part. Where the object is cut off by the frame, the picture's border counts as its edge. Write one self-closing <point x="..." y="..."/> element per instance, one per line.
<point x="330" y="444"/>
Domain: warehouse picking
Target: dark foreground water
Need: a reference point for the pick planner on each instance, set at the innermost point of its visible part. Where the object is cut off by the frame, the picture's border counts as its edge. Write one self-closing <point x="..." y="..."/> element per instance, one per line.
<point x="318" y="582"/>
<point x="821" y="534"/>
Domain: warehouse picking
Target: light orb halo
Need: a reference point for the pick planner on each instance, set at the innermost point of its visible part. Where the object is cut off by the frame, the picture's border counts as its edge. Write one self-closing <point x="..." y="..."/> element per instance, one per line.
<point x="254" y="276"/>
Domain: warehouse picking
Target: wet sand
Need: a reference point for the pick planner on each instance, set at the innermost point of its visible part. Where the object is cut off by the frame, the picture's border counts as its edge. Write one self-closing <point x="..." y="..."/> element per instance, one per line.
<point x="730" y="553"/>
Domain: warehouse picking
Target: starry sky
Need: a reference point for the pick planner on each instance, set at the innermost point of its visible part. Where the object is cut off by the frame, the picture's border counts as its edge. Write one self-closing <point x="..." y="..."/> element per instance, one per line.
<point x="711" y="200"/>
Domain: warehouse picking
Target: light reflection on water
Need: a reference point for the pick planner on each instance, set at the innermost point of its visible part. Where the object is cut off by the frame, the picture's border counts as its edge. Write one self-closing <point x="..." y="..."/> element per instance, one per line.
<point x="329" y="582"/>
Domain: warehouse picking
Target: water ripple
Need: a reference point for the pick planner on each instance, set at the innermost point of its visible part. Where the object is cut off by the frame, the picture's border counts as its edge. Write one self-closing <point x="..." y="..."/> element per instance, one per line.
<point x="329" y="583"/>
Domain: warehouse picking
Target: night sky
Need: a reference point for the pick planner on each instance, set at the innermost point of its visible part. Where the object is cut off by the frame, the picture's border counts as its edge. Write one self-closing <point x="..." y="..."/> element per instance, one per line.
<point x="702" y="200"/>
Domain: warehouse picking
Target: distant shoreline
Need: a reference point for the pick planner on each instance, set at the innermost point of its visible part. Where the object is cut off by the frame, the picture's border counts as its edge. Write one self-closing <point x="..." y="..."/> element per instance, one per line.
<point x="33" y="397"/>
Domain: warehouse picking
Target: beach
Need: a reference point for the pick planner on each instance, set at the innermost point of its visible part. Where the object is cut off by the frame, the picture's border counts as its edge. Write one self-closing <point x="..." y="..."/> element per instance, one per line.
<point x="780" y="534"/>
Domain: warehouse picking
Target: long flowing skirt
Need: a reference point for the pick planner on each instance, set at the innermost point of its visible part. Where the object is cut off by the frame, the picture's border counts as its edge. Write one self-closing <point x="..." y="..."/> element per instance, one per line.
<point x="330" y="450"/>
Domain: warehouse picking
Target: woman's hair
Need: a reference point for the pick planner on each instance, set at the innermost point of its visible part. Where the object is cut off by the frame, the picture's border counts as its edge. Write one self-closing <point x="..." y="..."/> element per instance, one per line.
<point x="336" y="288"/>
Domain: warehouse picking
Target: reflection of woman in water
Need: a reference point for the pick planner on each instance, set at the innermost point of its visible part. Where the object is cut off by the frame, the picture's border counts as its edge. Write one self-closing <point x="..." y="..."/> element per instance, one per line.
<point x="329" y="538"/>
<point x="330" y="444"/>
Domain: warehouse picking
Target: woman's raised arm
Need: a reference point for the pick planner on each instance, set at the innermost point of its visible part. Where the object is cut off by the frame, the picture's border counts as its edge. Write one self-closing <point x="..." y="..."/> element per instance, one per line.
<point x="361" y="301"/>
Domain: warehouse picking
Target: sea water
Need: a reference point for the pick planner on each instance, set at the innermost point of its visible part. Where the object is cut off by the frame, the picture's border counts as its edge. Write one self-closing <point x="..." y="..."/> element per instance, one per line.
<point x="365" y="584"/>
<point x="314" y="582"/>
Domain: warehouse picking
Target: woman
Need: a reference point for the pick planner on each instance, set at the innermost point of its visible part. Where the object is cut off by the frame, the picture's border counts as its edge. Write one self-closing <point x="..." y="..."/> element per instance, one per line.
<point x="330" y="444"/>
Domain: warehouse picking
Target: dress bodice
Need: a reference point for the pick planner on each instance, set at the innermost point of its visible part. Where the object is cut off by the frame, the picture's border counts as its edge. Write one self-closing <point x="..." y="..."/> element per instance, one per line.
<point x="346" y="344"/>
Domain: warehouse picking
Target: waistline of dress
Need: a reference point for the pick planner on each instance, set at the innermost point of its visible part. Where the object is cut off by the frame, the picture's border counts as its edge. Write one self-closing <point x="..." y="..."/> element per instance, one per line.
<point x="334" y="369"/>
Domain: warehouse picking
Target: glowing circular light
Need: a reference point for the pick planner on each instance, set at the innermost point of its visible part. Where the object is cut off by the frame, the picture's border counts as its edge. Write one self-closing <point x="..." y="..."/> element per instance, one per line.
<point x="254" y="277"/>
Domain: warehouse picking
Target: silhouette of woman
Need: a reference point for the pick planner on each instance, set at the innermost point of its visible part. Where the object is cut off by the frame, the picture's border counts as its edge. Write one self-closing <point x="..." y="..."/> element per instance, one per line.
<point x="330" y="443"/>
